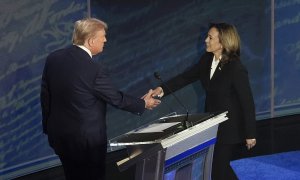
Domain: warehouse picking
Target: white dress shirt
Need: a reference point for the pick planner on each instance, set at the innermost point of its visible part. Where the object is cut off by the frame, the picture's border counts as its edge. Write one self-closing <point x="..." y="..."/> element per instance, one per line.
<point x="214" y="65"/>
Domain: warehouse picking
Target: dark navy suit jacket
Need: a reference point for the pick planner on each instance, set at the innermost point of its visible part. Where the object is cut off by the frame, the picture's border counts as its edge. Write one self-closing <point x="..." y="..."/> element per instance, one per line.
<point x="228" y="90"/>
<point x="74" y="95"/>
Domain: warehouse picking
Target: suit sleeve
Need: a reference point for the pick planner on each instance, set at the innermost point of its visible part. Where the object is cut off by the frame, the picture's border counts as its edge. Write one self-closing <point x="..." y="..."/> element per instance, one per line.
<point x="196" y="72"/>
<point x="242" y="87"/>
<point x="45" y="100"/>
<point x="105" y="90"/>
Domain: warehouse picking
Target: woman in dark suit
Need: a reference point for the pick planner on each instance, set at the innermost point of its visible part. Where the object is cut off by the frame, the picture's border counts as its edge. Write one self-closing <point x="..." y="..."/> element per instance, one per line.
<point x="226" y="84"/>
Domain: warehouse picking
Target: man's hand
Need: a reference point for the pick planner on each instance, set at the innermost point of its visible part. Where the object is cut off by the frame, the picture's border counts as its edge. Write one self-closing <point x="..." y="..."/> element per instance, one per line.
<point x="150" y="102"/>
<point x="250" y="143"/>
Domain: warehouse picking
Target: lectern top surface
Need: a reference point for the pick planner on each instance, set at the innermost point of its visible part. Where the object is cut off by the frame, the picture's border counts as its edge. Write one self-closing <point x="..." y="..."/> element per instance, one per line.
<point x="159" y="129"/>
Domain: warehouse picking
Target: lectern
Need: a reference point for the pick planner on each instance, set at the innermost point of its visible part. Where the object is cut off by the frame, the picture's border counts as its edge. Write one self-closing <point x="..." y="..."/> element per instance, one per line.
<point x="166" y="149"/>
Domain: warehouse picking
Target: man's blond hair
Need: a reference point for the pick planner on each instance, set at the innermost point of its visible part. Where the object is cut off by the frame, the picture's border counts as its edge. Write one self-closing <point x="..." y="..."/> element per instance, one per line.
<point x="87" y="28"/>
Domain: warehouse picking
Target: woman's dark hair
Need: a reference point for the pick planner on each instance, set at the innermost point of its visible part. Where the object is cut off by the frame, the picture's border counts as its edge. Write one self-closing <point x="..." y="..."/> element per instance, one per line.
<point x="230" y="40"/>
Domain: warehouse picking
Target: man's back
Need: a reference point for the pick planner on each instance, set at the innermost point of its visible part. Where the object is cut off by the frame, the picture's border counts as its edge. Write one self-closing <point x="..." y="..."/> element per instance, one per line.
<point x="75" y="111"/>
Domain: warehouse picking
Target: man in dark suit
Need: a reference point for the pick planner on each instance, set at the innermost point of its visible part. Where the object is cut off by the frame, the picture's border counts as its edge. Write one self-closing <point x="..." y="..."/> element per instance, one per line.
<point x="226" y="84"/>
<point x="74" y="95"/>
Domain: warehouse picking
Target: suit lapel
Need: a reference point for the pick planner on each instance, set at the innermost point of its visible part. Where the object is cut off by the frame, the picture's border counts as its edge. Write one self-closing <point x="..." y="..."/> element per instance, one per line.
<point x="209" y="68"/>
<point x="217" y="72"/>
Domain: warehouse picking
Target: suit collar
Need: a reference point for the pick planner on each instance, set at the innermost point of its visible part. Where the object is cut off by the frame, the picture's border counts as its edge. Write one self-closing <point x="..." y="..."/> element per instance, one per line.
<point x="217" y="72"/>
<point x="85" y="49"/>
<point x="80" y="52"/>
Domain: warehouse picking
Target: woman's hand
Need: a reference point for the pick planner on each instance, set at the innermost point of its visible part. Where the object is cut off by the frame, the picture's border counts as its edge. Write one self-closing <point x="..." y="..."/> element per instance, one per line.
<point x="250" y="143"/>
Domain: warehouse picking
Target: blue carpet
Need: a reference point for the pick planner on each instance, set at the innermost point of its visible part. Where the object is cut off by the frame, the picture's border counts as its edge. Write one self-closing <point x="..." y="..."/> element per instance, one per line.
<point x="276" y="166"/>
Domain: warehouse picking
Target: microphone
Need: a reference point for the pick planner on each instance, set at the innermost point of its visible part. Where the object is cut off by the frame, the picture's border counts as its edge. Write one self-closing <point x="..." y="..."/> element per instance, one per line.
<point x="185" y="122"/>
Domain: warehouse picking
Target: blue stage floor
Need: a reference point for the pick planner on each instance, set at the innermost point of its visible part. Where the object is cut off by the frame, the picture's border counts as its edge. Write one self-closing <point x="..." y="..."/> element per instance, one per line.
<point x="285" y="166"/>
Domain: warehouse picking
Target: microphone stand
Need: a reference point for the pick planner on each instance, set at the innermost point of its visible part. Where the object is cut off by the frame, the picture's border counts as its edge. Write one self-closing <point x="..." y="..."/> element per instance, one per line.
<point x="185" y="123"/>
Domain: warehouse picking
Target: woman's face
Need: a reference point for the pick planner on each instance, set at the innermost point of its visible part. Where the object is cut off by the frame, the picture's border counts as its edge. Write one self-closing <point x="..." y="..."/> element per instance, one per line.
<point x="212" y="42"/>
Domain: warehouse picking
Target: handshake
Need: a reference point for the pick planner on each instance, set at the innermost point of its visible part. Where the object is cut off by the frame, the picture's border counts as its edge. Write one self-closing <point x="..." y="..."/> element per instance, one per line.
<point x="151" y="98"/>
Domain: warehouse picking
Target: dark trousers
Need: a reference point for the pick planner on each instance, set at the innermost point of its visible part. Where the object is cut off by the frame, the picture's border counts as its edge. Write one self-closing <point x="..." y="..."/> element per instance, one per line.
<point x="85" y="167"/>
<point x="221" y="169"/>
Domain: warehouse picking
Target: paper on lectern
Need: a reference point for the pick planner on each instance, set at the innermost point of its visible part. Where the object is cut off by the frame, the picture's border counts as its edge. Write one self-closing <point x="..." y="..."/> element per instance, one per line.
<point x="156" y="127"/>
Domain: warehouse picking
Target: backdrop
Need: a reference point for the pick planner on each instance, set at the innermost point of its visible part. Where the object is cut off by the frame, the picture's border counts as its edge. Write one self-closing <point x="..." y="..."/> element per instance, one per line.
<point x="168" y="37"/>
<point x="29" y="30"/>
<point x="143" y="37"/>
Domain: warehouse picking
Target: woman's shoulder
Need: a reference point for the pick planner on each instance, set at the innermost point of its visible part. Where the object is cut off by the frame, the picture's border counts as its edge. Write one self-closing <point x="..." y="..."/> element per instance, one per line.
<point x="236" y="66"/>
<point x="236" y="63"/>
<point x="206" y="58"/>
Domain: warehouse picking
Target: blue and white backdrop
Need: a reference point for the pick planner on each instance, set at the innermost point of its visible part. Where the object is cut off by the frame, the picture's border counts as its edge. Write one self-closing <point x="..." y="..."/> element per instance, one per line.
<point x="143" y="37"/>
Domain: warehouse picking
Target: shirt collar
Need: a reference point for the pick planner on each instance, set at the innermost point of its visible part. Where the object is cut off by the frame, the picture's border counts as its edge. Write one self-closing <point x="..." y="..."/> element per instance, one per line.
<point x="217" y="60"/>
<point x="85" y="49"/>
